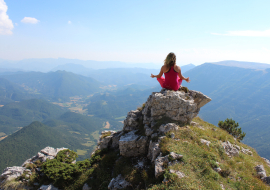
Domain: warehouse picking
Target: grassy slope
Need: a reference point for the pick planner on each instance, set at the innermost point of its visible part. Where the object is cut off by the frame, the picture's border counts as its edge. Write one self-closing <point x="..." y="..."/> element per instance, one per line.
<point x="25" y="143"/>
<point x="19" y="114"/>
<point x="197" y="163"/>
<point x="238" y="93"/>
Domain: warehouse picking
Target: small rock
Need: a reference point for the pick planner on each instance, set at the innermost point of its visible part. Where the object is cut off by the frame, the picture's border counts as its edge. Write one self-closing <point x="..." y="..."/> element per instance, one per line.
<point x="118" y="183"/>
<point x="246" y="151"/>
<point x="48" y="187"/>
<point x="172" y="135"/>
<point x="267" y="161"/>
<point x="205" y="142"/>
<point x="86" y="187"/>
<point x="168" y="127"/>
<point x="192" y="123"/>
<point x="217" y="170"/>
<point x="260" y="171"/>
<point x="159" y="165"/>
<point x="230" y="149"/>
<point x="178" y="173"/>
<point x="153" y="151"/>
<point x="222" y="186"/>
<point x="175" y="156"/>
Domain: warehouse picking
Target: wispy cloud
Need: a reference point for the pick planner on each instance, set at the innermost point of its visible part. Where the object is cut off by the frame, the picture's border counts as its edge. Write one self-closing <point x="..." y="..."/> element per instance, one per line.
<point x="6" y="24"/>
<point x="69" y="22"/>
<point x="252" y="33"/>
<point x="29" y="20"/>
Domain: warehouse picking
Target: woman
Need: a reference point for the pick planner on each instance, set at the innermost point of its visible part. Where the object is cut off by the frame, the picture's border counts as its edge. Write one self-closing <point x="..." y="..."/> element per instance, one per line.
<point x="173" y="76"/>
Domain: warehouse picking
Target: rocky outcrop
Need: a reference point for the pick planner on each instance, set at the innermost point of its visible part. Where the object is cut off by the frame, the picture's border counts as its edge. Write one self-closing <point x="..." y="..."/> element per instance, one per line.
<point x="141" y="135"/>
<point x="177" y="105"/>
<point x="17" y="171"/>
<point x="43" y="155"/>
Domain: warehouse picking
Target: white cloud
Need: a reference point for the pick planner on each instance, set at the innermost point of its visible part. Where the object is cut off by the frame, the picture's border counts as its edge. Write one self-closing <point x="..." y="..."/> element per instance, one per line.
<point x="69" y="22"/>
<point x="30" y="20"/>
<point x="253" y="33"/>
<point x="6" y="24"/>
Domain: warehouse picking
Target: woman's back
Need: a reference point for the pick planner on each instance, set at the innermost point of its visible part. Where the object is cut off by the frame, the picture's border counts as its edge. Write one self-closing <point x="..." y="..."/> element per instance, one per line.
<point x="171" y="79"/>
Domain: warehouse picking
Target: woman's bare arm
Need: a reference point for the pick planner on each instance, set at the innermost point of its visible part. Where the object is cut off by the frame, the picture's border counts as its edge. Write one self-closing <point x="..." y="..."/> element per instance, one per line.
<point x="180" y="74"/>
<point x="160" y="73"/>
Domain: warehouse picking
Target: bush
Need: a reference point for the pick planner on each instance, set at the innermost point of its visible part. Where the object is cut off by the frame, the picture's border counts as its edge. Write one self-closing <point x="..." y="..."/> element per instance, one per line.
<point x="232" y="128"/>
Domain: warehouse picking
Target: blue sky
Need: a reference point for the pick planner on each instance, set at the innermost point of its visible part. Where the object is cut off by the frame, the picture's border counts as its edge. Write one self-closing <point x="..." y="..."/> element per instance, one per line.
<point x="136" y="31"/>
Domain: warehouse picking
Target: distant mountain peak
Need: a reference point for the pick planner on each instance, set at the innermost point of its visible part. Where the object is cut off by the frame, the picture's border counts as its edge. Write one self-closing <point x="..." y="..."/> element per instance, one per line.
<point x="243" y="64"/>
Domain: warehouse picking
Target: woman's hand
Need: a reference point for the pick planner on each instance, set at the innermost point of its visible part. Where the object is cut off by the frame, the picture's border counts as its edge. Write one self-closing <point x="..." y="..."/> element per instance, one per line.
<point x="187" y="79"/>
<point x="153" y="76"/>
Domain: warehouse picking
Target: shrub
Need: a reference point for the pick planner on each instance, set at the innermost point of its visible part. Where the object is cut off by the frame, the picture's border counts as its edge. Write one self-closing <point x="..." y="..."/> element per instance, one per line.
<point x="232" y="128"/>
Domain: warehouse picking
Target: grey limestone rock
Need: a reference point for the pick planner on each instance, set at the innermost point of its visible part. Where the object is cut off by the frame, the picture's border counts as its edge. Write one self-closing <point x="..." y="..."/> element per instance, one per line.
<point x="132" y="121"/>
<point x="148" y="130"/>
<point x="12" y="172"/>
<point x="131" y="144"/>
<point x="260" y="171"/>
<point x="159" y="165"/>
<point x="48" y="187"/>
<point x="177" y="105"/>
<point x="178" y="173"/>
<point x="153" y="151"/>
<point x="105" y="141"/>
<point x="246" y="151"/>
<point x="267" y="161"/>
<point x="218" y="170"/>
<point x="230" y="149"/>
<point x="207" y="143"/>
<point x="116" y="138"/>
<point x="168" y="128"/>
<point x="175" y="156"/>
<point x="50" y="151"/>
<point x="118" y="183"/>
<point x="86" y="187"/>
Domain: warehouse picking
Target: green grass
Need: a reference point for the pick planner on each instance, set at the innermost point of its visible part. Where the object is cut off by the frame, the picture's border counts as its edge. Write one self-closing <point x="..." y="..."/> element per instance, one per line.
<point x="95" y="135"/>
<point x="81" y="152"/>
<point x="89" y="144"/>
<point x="198" y="161"/>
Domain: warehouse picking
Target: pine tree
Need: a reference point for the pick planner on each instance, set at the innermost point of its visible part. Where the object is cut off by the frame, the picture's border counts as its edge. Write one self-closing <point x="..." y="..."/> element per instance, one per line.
<point x="232" y="128"/>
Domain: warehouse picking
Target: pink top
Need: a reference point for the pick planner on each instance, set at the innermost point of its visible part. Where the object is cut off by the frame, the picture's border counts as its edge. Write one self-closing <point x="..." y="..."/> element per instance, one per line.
<point x="171" y="81"/>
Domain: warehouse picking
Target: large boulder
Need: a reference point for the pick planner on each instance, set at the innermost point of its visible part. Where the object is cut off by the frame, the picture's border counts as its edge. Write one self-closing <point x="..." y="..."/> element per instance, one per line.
<point x="132" y="145"/>
<point x="177" y="105"/>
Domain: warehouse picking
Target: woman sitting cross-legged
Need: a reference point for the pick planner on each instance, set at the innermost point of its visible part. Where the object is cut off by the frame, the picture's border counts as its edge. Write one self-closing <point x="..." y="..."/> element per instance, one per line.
<point x="173" y="76"/>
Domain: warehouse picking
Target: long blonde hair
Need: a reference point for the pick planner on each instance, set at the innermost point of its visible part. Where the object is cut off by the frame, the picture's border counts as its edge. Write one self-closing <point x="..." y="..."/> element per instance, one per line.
<point x="170" y="60"/>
